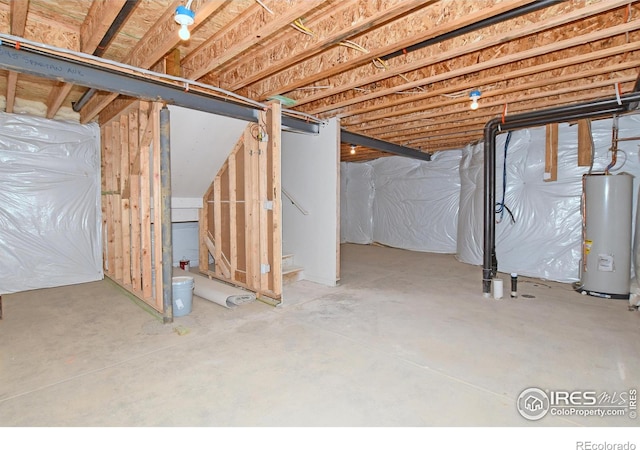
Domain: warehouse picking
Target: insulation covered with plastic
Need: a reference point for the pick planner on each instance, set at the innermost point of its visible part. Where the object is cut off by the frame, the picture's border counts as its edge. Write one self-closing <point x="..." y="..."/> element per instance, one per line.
<point x="416" y="202"/>
<point x="356" y="203"/>
<point x="545" y="241"/>
<point x="50" y="216"/>
<point x="404" y="203"/>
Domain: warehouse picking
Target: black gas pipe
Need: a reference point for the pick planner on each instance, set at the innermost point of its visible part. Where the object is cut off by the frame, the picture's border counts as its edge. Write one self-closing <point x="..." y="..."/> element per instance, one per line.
<point x="126" y="10"/>
<point x="493" y="20"/>
<point x="587" y="110"/>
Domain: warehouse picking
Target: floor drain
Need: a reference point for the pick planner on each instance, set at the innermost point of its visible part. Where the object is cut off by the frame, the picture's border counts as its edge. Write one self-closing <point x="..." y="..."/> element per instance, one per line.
<point x="528" y="296"/>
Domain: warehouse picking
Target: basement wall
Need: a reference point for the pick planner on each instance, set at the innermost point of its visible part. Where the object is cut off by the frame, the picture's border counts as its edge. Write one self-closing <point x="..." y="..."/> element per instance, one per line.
<point x="50" y="225"/>
<point x="546" y="239"/>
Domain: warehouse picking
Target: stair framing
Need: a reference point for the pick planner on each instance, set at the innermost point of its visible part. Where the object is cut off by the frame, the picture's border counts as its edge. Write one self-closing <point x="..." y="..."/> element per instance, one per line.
<point x="241" y="218"/>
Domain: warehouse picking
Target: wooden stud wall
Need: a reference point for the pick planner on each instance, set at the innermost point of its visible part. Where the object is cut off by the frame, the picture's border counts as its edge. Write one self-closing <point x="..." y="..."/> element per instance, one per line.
<point x="130" y="178"/>
<point x="584" y="143"/>
<point x="551" y="153"/>
<point x="240" y="223"/>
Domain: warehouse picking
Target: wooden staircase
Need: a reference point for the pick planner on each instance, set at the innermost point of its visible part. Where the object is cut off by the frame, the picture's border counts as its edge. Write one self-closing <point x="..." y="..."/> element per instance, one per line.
<point x="290" y="272"/>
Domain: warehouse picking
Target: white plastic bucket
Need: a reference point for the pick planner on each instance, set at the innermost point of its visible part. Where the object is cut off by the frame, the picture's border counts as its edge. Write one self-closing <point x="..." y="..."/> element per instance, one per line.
<point x="182" y="289"/>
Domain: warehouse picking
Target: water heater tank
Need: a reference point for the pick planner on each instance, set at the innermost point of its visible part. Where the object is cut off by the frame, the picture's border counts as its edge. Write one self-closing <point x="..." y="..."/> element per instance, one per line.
<point x="606" y="265"/>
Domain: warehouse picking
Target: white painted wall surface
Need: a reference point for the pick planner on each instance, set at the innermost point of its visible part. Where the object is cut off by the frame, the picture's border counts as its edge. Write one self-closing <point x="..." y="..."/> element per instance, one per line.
<point x="185" y="242"/>
<point x="200" y="144"/>
<point x="310" y="173"/>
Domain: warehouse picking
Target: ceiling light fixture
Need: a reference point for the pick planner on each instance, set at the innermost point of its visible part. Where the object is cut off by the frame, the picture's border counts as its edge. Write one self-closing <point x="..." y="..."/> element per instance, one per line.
<point x="353" y="150"/>
<point x="474" y="96"/>
<point x="185" y="17"/>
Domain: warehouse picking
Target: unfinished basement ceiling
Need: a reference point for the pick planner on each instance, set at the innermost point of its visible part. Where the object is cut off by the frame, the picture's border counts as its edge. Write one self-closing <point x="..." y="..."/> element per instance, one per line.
<point x="351" y="59"/>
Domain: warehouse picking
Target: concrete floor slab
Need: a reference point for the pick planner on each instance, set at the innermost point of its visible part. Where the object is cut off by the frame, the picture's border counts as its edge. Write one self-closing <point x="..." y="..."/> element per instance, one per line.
<point x="405" y="340"/>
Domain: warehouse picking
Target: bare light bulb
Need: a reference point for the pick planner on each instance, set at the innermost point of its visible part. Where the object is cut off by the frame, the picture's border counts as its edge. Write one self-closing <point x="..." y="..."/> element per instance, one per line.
<point x="474" y="96"/>
<point x="184" y="33"/>
<point x="353" y="150"/>
<point x="184" y="17"/>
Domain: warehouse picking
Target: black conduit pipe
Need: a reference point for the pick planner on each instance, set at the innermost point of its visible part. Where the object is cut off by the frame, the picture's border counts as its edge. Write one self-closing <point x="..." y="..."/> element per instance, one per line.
<point x="498" y="18"/>
<point x="587" y="110"/>
<point x="115" y="26"/>
<point x="118" y="22"/>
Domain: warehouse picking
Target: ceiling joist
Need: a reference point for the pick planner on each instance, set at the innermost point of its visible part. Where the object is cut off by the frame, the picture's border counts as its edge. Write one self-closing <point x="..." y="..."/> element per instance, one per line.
<point x="398" y="71"/>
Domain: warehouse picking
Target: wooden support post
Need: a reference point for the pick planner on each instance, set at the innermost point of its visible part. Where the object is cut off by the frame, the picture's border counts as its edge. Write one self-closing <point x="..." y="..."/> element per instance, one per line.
<point x="217" y="226"/>
<point x="263" y="199"/>
<point x="157" y="207"/>
<point x="103" y="201"/>
<point x="117" y="198"/>
<point x="274" y="127"/>
<point x="125" y="205"/>
<point x="145" y="207"/>
<point x="233" y="222"/>
<point x="551" y="153"/>
<point x="252" y="212"/>
<point x="584" y="143"/>
<point x="108" y="198"/>
<point x="134" y="203"/>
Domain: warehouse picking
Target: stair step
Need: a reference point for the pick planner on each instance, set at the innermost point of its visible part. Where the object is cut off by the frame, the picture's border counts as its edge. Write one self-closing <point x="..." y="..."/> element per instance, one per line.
<point x="291" y="269"/>
<point x="287" y="260"/>
<point x="291" y="274"/>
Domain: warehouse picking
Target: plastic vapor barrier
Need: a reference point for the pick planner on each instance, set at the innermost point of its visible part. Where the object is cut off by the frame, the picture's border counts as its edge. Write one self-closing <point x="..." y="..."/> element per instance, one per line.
<point x="357" y="215"/>
<point x="416" y="202"/>
<point x="50" y="217"/>
<point x="546" y="239"/>
<point x="404" y="203"/>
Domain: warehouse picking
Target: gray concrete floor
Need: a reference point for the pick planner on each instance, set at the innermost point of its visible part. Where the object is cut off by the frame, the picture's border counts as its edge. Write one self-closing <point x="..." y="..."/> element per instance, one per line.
<point x="406" y="340"/>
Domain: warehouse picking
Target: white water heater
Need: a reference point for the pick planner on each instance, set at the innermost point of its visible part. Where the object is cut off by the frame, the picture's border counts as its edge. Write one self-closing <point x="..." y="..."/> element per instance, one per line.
<point x="607" y="242"/>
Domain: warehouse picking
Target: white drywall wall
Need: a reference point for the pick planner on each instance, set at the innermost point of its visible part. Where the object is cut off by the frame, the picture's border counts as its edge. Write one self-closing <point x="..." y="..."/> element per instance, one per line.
<point x="185" y="241"/>
<point x="310" y="173"/>
<point x="200" y="144"/>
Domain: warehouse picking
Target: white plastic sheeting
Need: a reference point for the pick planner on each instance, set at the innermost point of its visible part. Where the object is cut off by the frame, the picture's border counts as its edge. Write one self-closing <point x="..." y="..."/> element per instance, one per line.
<point x="438" y="206"/>
<point x="546" y="239"/>
<point x="404" y="203"/>
<point x="50" y="219"/>
<point x="357" y="203"/>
